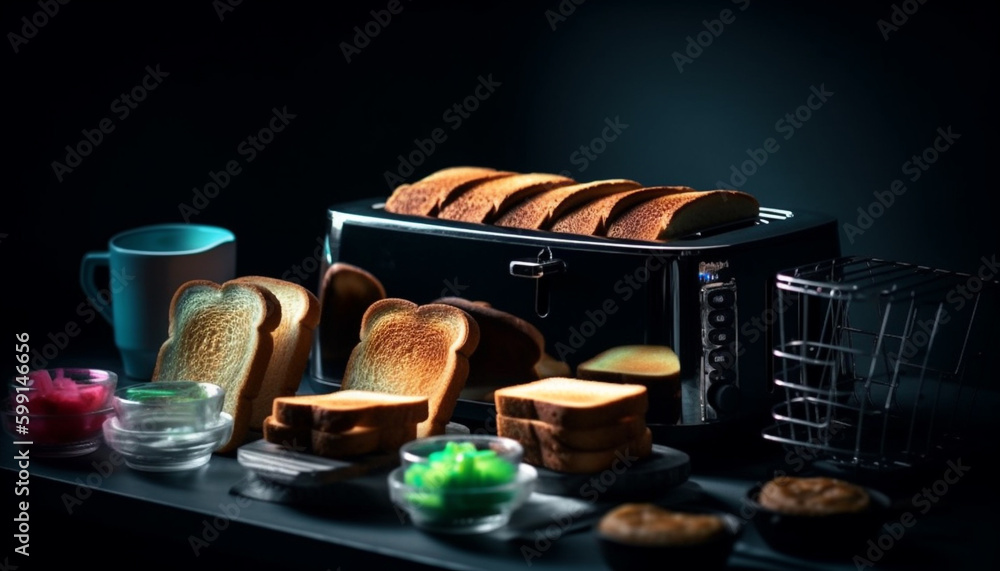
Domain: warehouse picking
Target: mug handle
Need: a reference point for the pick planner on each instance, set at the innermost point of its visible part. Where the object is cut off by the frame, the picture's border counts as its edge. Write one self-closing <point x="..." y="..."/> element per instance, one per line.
<point x="92" y="261"/>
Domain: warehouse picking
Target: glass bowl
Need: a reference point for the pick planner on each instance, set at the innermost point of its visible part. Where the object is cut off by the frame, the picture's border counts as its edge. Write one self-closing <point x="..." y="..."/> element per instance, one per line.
<point x="622" y="550"/>
<point x="168" y="450"/>
<point x="461" y="483"/>
<point x="64" y="391"/>
<point x="56" y="435"/>
<point x="169" y="405"/>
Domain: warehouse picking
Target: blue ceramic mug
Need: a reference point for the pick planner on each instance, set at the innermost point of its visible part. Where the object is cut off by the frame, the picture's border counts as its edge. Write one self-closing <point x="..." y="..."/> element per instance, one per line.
<point x="146" y="266"/>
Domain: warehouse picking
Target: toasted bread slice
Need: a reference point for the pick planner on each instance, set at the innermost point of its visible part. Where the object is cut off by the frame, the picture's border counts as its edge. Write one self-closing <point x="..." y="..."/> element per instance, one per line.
<point x="592" y="218"/>
<point x="486" y="201"/>
<point x="562" y="459"/>
<point x="642" y="364"/>
<point x="572" y="403"/>
<point x="344" y="409"/>
<point x="426" y="196"/>
<point x="509" y="347"/>
<point x="538" y="212"/>
<point x="407" y="349"/>
<point x="611" y="435"/>
<point x="354" y="441"/>
<point x="291" y="339"/>
<point x="221" y="334"/>
<point x="682" y="214"/>
<point x="549" y="366"/>
<point x="346" y="293"/>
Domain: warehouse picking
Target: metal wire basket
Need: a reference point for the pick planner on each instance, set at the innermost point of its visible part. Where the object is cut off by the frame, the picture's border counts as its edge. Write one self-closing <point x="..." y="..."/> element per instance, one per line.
<point x="881" y="363"/>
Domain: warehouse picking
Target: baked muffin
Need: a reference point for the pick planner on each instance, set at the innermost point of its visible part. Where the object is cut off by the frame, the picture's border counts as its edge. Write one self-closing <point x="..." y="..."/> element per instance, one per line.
<point x="815" y="496"/>
<point x="640" y="535"/>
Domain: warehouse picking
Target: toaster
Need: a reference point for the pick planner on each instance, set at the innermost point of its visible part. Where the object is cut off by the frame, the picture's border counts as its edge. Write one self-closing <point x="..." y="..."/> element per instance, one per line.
<point x="709" y="296"/>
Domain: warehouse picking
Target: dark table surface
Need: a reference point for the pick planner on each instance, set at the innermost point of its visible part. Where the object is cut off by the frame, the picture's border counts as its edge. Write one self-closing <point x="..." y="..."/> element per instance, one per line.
<point x="95" y="509"/>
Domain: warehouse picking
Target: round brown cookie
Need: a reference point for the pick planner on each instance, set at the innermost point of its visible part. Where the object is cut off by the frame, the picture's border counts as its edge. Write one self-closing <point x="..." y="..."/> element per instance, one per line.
<point x="814" y="496"/>
<point x="649" y="524"/>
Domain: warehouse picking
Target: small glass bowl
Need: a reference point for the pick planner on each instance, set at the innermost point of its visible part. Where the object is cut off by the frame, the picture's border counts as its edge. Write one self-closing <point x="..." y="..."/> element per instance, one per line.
<point x="55" y="435"/>
<point x="168" y="450"/>
<point x="64" y="391"/>
<point x="461" y="483"/>
<point x="169" y="405"/>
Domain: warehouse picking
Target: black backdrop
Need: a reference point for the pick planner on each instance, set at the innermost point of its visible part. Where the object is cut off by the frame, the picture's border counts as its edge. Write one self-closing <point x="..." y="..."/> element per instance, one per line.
<point x="559" y="71"/>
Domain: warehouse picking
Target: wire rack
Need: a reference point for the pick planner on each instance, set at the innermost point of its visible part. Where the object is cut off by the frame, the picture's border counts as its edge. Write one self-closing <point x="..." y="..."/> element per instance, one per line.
<point x="880" y="364"/>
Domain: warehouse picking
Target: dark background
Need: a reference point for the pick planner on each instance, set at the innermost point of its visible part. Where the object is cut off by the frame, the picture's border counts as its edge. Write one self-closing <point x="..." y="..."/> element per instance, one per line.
<point x="605" y="60"/>
<point x="352" y="119"/>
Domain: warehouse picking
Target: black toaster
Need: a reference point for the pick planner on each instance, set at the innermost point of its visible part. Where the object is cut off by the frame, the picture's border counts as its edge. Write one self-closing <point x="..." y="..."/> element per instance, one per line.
<point x="710" y="297"/>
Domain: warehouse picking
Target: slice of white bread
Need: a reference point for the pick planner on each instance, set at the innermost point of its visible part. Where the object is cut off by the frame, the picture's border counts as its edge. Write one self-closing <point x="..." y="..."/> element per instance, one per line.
<point x="538" y="212"/>
<point x="567" y="460"/>
<point x="607" y="436"/>
<point x="677" y="215"/>
<point x="406" y="349"/>
<point x="592" y="219"/>
<point x="221" y="334"/>
<point x="426" y="196"/>
<point x="509" y="347"/>
<point x="344" y="409"/>
<point x="572" y="403"/>
<point x="292" y="341"/>
<point x="346" y="292"/>
<point x="484" y="202"/>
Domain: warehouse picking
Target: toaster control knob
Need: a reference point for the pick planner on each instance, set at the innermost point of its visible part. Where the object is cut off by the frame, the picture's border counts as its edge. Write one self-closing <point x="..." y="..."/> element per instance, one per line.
<point x="721" y="318"/>
<point x="721" y="358"/>
<point x="722" y="376"/>
<point x="722" y="336"/>
<point x="721" y="298"/>
<point x="724" y="398"/>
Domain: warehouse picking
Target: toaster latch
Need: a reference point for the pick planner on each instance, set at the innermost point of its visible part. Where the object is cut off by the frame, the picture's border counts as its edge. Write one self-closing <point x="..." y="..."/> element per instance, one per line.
<point x="538" y="269"/>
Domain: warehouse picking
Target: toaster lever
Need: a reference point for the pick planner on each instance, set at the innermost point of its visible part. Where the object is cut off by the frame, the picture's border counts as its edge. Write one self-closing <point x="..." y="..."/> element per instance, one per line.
<point x="542" y="266"/>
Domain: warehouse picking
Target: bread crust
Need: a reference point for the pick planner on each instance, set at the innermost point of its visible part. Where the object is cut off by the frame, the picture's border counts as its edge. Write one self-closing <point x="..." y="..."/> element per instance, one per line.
<point x="540" y="211"/>
<point x="346" y="292"/>
<point x="813" y="496"/>
<point x="487" y="200"/>
<point x="292" y="342"/>
<point x="572" y="403"/>
<point x="355" y="441"/>
<point x="344" y="409"/>
<point x="570" y="461"/>
<point x="428" y="195"/>
<point x="420" y="350"/>
<point x="615" y="433"/>
<point x="592" y="219"/>
<point x="677" y="215"/>
<point x="226" y="341"/>
<point x="509" y="347"/>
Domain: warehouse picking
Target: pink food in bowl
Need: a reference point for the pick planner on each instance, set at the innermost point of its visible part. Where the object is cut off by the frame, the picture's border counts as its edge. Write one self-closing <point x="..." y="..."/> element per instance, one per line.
<point x="63" y="395"/>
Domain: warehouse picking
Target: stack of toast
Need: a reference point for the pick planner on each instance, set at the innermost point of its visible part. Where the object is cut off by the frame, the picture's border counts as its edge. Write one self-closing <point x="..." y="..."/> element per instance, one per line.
<point x="573" y="425"/>
<point x="345" y="423"/>
<point x="613" y="208"/>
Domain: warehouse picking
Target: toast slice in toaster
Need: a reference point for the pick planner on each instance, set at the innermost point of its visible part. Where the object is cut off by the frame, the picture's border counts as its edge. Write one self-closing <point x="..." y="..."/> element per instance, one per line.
<point x="682" y="214"/>
<point x="591" y="219"/>
<point x="486" y="201"/>
<point x="509" y="347"/>
<point x="346" y="293"/>
<point x="426" y="196"/>
<point x="538" y="212"/>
